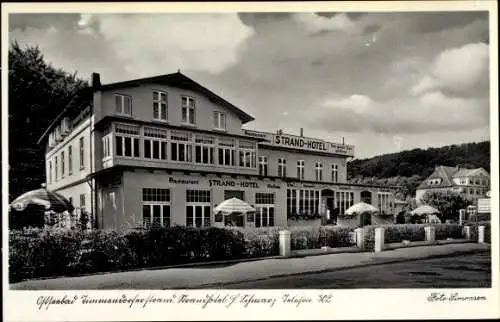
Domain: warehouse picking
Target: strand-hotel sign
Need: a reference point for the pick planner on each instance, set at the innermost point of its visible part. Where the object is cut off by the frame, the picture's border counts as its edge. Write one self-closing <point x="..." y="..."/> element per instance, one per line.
<point x="302" y="143"/>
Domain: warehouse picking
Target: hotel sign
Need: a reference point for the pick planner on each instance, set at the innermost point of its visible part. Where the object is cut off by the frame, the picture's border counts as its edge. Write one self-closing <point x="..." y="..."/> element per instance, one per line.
<point x="302" y="143"/>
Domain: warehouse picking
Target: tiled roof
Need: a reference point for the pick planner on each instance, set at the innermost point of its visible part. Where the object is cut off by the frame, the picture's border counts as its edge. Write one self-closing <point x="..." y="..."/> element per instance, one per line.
<point x="446" y="174"/>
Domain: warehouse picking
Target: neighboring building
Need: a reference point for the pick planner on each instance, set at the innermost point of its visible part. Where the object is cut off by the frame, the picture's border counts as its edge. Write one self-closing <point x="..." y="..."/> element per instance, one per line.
<point x="167" y="150"/>
<point x="473" y="184"/>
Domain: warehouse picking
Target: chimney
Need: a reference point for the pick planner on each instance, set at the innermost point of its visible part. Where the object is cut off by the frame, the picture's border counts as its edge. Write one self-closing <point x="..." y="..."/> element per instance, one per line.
<point x="343" y="141"/>
<point x="96" y="80"/>
<point x="279" y="132"/>
<point x="301" y="131"/>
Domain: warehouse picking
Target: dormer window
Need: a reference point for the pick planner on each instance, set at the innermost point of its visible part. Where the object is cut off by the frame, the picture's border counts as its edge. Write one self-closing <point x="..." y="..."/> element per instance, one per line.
<point x="188" y="110"/>
<point x="160" y="106"/>
<point x="123" y="104"/>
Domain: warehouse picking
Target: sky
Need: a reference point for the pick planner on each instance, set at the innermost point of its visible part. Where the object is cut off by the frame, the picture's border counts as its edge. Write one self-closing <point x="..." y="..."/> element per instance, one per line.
<point x="383" y="82"/>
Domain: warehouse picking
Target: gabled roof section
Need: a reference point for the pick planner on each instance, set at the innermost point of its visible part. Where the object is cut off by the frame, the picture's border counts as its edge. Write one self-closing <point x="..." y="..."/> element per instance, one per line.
<point x="469" y="172"/>
<point x="180" y="80"/>
<point x="440" y="172"/>
<point x="82" y="98"/>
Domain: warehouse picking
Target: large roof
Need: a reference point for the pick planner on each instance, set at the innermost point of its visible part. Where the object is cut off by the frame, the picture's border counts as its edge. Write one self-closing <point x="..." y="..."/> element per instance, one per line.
<point x="177" y="80"/>
<point x="446" y="174"/>
<point x="180" y="80"/>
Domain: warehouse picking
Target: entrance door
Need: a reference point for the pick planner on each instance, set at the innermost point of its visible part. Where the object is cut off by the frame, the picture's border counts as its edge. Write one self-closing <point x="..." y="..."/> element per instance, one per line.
<point x="365" y="219"/>
<point x="330" y="205"/>
<point x="235" y="220"/>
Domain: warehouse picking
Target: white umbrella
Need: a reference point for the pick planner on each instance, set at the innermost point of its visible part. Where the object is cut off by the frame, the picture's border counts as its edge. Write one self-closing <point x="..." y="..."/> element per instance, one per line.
<point x="360" y="208"/>
<point x="234" y="205"/>
<point x="424" y="210"/>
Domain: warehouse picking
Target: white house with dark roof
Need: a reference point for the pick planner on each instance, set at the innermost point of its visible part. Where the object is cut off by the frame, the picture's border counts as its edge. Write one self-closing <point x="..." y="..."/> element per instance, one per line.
<point x="470" y="183"/>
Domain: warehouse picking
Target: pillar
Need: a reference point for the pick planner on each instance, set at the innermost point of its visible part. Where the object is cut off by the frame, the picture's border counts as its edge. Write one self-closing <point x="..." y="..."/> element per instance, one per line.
<point x="285" y="243"/>
<point x="430" y="233"/>
<point x="379" y="239"/>
<point x="480" y="233"/>
<point x="360" y="237"/>
<point x="468" y="232"/>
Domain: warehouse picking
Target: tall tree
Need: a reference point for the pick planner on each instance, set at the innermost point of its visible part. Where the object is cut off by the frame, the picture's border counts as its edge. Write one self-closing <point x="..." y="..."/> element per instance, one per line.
<point x="38" y="92"/>
<point x="448" y="203"/>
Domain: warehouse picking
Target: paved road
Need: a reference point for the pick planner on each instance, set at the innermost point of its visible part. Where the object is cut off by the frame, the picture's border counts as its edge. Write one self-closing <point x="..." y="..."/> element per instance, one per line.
<point x="448" y="272"/>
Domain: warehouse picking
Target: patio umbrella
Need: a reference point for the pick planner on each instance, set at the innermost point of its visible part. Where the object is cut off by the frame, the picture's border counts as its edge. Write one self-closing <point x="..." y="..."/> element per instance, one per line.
<point x="360" y="208"/>
<point x="42" y="198"/>
<point x="234" y="205"/>
<point x="424" y="210"/>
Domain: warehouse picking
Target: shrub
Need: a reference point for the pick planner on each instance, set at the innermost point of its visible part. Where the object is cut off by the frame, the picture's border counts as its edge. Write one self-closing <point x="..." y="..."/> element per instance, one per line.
<point x="474" y="230"/>
<point x="411" y="232"/>
<point x="260" y="241"/>
<point x="313" y="238"/>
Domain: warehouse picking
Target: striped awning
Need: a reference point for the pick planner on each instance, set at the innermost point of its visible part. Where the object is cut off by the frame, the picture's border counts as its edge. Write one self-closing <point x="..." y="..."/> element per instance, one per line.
<point x="234" y="205"/>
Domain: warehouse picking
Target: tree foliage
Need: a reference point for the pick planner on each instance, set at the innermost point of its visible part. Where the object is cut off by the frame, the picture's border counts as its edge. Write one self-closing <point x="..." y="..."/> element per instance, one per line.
<point x="422" y="162"/>
<point x="448" y="203"/>
<point x="408" y="168"/>
<point x="38" y="92"/>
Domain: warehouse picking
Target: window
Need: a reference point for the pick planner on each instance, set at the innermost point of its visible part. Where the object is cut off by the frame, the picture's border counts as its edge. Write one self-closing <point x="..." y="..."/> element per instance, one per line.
<point x="264" y="209"/>
<point x="335" y="173"/>
<point x="188" y="110"/>
<point x="226" y="151"/>
<point x="160" y="111"/>
<point x="155" y="207"/>
<point x="127" y="140"/>
<point x="82" y="153"/>
<point x="181" y="147"/>
<point x="281" y="167"/>
<point x="123" y="104"/>
<point x="462" y="181"/>
<point x="106" y="146"/>
<point x="343" y="200"/>
<point x="198" y="209"/>
<point x="62" y="164"/>
<point x="219" y="120"/>
<point x="247" y="154"/>
<point x="262" y="165"/>
<point x="155" y="143"/>
<point x="50" y="172"/>
<point x="82" y="202"/>
<point x="70" y="160"/>
<point x="384" y="203"/>
<point x="204" y="149"/>
<point x="302" y="201"/>
<point x="56" y="168"/>
<point x="300" y="169"/>
<point x="318" y="170"/>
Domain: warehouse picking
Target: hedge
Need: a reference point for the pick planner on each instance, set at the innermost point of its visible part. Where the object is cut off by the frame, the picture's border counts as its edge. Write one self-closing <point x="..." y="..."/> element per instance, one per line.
<point x="410" y="232"/>
<point x="474" y="230"/>
<point x="55" y="252"/>
<point x="331" y="236"/>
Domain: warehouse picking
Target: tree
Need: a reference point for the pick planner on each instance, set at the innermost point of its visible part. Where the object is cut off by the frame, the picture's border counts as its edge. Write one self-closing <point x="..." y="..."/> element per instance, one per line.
<point x="38" y="92"/>
<point x="448" y="203"/>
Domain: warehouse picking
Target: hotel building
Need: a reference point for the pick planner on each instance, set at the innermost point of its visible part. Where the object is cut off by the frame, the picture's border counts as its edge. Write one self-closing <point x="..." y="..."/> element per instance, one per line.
<point x="166" y="150"/>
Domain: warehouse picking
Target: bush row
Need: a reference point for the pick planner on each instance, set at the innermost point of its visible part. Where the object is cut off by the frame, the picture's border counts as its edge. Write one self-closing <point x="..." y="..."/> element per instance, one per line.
<point x="332" y="236"/>
<point x="411" y="232"/>
<point x="56" y="252"/>
<point x="474" y="230"/>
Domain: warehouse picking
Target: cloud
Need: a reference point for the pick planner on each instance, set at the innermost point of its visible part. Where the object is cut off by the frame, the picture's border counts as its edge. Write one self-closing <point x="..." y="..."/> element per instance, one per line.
<point x="458" y="70"/>
<point x="151" y="44"/>
<point x="434" y="111"/>
<point x="314" y="23"/>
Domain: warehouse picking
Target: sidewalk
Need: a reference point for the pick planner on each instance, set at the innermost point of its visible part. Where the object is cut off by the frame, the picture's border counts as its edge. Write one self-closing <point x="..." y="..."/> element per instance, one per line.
<point x="200" y="277"/>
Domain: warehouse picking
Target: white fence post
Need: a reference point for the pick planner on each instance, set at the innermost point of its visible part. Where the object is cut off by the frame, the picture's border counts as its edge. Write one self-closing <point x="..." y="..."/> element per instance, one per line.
<point x="285" y="243"/>
<point x="360" y="238"/>
<point x="430" y="233"/>
<point x="379" y="239"/>
<point x="468" y="232"/>
<point x="480" y="234"/>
